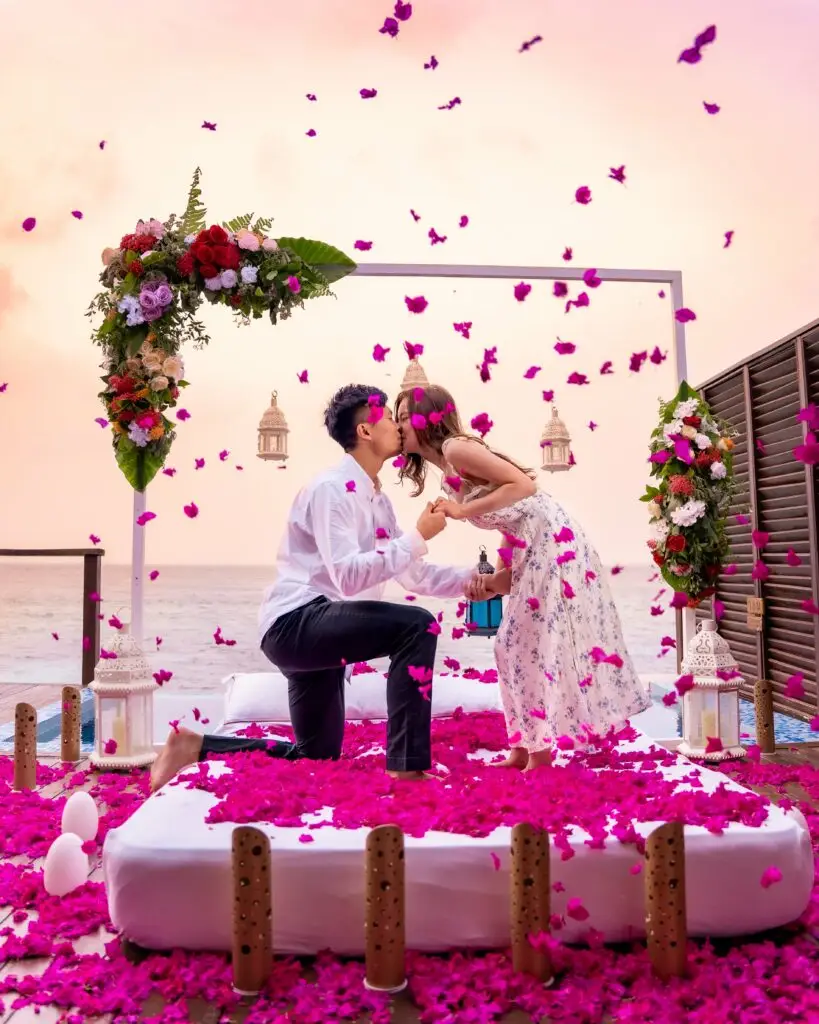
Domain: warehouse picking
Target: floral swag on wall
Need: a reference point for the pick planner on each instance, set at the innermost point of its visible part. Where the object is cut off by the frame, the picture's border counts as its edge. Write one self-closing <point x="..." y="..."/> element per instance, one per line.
<point x="691" y="454"/>
<point x="153" y="284"/>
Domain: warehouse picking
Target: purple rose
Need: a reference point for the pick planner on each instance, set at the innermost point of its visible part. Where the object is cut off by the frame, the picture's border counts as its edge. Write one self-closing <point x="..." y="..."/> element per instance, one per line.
<point x="229" y="278"/>
<point x="164" y="295"/>
<point x="150" y="304"/>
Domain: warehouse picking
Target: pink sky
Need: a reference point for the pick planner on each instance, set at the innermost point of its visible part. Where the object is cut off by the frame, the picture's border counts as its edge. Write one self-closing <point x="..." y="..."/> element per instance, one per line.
<point x="602" y="89"/>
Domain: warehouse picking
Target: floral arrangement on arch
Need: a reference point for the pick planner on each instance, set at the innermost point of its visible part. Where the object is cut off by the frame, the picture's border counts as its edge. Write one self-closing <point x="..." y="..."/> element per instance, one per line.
<point x="153" y="284"/>
<point x="691" y="454"/>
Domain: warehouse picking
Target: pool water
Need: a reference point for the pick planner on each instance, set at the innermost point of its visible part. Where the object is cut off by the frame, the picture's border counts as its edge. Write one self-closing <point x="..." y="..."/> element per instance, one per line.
<point x="657" y="721"/>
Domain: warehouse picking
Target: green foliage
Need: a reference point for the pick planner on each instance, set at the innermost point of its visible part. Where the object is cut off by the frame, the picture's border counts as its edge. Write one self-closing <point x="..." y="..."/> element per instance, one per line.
<point x="195" y="215"/>
<point x="238" y="223"/>
<point x="139" y="465"/>
<point x="331" y="263"/>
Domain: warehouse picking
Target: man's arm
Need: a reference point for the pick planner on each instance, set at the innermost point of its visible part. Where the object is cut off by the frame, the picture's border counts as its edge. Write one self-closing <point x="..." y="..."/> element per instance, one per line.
<point x="351" y="569"/>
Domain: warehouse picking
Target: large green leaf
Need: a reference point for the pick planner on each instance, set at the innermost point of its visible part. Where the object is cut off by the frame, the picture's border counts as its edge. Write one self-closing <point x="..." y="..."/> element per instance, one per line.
<point x="139" y="465"/>
<point x="328" y="260"/>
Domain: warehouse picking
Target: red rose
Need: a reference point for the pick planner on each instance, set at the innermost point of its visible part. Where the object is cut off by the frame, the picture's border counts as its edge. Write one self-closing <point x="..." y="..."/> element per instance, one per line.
<point x="185" y="264"/>
<point x="174" y="392"/>
<point x="123" y="384"/>
<point x="236" y="300"/>
<point x="675" y="543"/>
<point x="658" y="558"/>
<point x="135" y="267"/>
<point x="226" y="256"/>
<point x="126" y="416"/>
<point x="711" y="571"/>
<point x="207" y="270"/>
<point x="692" y="421"/>
<point x="217" y="235"/>
<point x="202" y="252"/>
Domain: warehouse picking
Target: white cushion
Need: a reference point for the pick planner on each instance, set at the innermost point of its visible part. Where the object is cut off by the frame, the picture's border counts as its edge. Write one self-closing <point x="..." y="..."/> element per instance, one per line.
<point x="262" y="697"/>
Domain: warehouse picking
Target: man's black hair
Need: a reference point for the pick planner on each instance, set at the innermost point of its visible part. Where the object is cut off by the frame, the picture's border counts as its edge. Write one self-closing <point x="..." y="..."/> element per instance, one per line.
<point x="348" y="407"/>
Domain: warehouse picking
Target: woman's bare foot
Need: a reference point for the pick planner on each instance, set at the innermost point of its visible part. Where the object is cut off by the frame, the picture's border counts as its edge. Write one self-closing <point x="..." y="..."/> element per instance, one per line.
<point x="410" y="776"/>
<point x="518" y="758"/>
<point x="538" y="758"/>
<point x="182" y="748"/>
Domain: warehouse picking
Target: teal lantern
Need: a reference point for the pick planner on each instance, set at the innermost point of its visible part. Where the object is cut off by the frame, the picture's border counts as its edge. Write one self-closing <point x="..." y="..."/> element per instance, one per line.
<point x="485" y="616"/>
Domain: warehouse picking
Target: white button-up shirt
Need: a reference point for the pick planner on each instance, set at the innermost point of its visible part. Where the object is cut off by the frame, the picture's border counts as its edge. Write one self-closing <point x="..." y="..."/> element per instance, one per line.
<point x="342" y="542"/>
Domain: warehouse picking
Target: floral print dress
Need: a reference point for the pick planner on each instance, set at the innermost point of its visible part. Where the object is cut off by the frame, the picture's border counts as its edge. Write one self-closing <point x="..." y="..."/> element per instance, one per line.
<point x="563" y="667"/>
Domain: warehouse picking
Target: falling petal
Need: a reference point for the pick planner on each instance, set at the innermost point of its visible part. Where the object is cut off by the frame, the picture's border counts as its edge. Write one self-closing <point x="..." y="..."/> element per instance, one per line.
<point x="618" y="173"/>
<point x="362" y="246"/>
<point x="182" y="415"/>
<point x="522" y="290"/>
<point x="530" y="43"/>
<point x="548" y="396"/>
<point x="583" y="195"/>
<point x="770" y="876"/>
<point x="368" y="94"/>
<point x="417" y="304"/>
<point x="792" y="558"/>
<point x="302" y="377"/>
<point x="711" y="108"/>
<point x="146" y="517"/>
<point x="531" y="373"/>
<point x="153" y="574"/>
<point x="209" y="125"/>
<point x="100" y="420"/>
<point x="567" y="253"/>
<point x="431" y="64"/>
<point x="464" y="220"/>
<point x="29" y="224"/>
<point x="191" y="511"/>
<point x="76" y="214"/>
<point x="684" y="315"/>
<point x="565" y="348"/>
<point x="312" y="97"/>
<point x="311" y="133"/>
<point x="729" y="236"/>
<point x="380" y="353"/>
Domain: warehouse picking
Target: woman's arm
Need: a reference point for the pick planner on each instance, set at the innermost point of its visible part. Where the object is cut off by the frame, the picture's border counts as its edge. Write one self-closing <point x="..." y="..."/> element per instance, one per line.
<point x="500" y="582"/>
<point x="476" y="461"/>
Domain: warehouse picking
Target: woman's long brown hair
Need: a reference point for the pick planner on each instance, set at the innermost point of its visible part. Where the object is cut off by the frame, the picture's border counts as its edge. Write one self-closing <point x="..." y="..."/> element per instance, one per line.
<point x="437" y="407"/>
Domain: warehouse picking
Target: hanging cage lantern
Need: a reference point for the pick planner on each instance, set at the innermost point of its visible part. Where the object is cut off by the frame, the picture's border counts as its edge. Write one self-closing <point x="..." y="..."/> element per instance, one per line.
<point x="710" y="709"/>
<point x="555" y="444"/>
<point x="273" y="431"/>
<point x="485" y="616"/>
<point x="414" y="376"/>
<point x="123" y="687"/>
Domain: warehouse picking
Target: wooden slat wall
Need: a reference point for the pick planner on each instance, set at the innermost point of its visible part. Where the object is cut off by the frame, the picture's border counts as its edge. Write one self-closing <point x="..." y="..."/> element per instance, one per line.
<point x="727" y="401"/>
<point x="779" y="494"/>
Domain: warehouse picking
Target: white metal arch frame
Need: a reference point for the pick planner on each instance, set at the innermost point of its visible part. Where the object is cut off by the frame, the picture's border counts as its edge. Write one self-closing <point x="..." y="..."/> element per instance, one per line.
<point x="671" y="278"/>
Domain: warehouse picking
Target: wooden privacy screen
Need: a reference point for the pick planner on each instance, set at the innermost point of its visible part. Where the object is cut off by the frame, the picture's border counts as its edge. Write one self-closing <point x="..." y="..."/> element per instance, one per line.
<point x="770" y="634"/>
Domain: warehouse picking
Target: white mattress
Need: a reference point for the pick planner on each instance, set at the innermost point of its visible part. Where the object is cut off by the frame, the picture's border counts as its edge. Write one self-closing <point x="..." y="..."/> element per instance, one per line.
<point x="168" y="876"/>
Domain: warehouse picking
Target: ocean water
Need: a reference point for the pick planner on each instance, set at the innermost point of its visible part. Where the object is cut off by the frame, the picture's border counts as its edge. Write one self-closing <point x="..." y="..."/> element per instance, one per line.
<point x="41" y="630"/>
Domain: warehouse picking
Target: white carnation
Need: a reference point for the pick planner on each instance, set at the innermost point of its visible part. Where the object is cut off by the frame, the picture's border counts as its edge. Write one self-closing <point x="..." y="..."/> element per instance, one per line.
<point x="702" y="442"/>
<point x="686" y="408"/>
<point x="718" y="470"/>
<point x="670" y="429"/>
<point x="688" y="514"/>
<point x="658" y="530"/>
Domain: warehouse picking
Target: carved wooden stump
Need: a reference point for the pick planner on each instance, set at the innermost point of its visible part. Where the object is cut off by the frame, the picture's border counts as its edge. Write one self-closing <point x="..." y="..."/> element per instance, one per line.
<point x="666" y="929"/>
<point x="384" y="928"/>
<point x="252" y="913"/>
<point x="531" y="900"/>
<point x="25" y="747"/>
<point x="764" y="713"/>
<point x="70" y="727"/>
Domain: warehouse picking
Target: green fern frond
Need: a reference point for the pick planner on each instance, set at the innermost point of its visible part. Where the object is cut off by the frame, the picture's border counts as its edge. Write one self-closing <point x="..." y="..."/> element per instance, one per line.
<point x="194" y="217"/>
<point x="238" y="223"/>
<point x="263" y="225"/>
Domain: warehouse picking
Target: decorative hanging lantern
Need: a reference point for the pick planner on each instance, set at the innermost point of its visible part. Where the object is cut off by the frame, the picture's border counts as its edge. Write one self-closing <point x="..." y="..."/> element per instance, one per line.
<point x="414" y="376"/>
<point x="555" y="444"/>
<point x="273" y="431"/>
<point x="124" y="715"/>
<point x="710" y="710"/>
<point x="485" y="616"/>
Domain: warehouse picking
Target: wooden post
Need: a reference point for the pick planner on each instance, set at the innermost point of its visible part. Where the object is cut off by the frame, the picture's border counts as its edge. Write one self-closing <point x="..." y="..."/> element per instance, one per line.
<point x="70" y="725"/>
<point x="664" y="877"/>
<point x="252" y="910"/>
<point x="384" y="928"/>
<point x="25" y="747"/>
<point x="91" y="583"/>
<point x="531" y="900"/>
<point x="764" y="713"/>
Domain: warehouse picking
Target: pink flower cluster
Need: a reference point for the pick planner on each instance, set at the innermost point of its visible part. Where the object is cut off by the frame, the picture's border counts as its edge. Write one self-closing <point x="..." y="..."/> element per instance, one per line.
<point x="773" y="980"/>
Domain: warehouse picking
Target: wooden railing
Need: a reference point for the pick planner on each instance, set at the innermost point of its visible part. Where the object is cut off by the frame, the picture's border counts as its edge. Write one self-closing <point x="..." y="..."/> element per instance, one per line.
<point x="91" y="583"/>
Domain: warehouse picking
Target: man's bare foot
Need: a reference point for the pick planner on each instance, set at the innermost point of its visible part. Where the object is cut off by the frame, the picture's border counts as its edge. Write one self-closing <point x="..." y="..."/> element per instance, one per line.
<point x="538" y="759"/>
<point x="518" y="758"/>
<point x="410" y="776"/>
<point x="182" y="748"/>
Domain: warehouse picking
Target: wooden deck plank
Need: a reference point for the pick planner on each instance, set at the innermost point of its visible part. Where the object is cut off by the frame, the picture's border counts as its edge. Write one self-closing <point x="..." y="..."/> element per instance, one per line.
<point x="39" y="695"/>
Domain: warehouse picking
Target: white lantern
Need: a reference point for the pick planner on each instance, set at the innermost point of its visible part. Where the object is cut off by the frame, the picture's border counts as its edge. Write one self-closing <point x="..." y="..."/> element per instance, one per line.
<point x="273" y="431"/>
<point x="711" y="708"/>
<point x="414" y="376"/>
<point x="124" y="715"/>
<point x="555" y="445"/>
